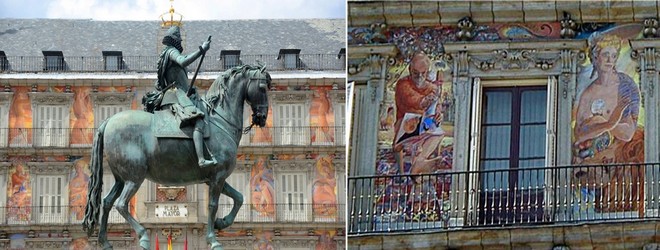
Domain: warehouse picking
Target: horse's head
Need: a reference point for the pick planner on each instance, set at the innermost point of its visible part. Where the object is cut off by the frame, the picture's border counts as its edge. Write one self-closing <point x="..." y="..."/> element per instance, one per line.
<point x="257" y="95"/>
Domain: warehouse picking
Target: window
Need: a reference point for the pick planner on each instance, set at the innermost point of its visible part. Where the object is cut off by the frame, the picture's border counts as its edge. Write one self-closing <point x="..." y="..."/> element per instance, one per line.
<point x="292" y="124"/>
<point x="340" y="123"/>
<point x="5" y="99"/>
<point x="230" y="58"/>
<point x="290" y="57"/>
<point x="239" y="180"/>
<point x="3" y="194"/>
<point x="108" y="182"/>
<point x="4" y="63"/>
<point x="53" y="61"/>
<point x="49" y="199"/>
<point x="103" y="112"/>
<point x="50" y="126"/>
<point x="292" y="201"/>
<point x="113" y="60"/>
<point x="512" y="138"/>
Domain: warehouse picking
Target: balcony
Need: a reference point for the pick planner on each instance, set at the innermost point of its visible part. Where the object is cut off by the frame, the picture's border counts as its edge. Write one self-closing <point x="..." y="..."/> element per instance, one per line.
<point x="83" y="137"/>
<point x="270" y="213"/>
<point x="294" y="136"/>
<point x="561" y="195"/>
<point x="315" y="62"/>
<point x="57" y="215"/>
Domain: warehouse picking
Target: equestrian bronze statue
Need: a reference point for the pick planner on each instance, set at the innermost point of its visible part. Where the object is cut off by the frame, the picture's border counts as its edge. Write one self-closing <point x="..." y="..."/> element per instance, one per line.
<point x="159" y="146"/>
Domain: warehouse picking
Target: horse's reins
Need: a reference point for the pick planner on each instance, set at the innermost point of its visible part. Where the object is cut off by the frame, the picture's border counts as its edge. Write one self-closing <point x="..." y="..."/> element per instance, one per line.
<point x="248" y="128"/>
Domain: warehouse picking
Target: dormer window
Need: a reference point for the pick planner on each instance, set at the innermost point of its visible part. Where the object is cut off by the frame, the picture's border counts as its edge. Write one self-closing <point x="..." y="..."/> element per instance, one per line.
<point x="342" y="53"/>
<point x="113" y="60"/>
<point x="4" y="63"/>
<point x="290" y="58"/>
<point x="53" y="60"/>
<point x="230" y="58"/>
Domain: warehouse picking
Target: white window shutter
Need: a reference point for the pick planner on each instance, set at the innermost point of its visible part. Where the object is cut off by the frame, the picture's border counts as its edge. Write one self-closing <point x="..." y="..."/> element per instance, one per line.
<point x="239" y="181"/>
<point x="50" y="190"/>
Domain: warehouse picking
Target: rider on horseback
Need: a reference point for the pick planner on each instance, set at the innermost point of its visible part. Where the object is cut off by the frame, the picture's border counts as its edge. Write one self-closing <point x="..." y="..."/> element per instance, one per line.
<point x="172" y="74"/>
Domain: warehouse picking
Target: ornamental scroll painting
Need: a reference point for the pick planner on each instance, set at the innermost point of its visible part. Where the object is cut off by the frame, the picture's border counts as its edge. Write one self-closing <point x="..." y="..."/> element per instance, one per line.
<point x="608" y="126"/>
<point x="415" y="135"/>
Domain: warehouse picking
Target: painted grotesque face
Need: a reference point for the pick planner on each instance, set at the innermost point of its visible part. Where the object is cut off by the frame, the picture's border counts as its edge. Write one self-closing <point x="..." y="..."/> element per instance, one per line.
<point x="607" y="58"/>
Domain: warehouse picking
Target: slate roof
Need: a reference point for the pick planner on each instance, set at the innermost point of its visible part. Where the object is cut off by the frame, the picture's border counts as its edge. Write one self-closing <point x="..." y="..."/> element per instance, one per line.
<point x="85" y="37"/>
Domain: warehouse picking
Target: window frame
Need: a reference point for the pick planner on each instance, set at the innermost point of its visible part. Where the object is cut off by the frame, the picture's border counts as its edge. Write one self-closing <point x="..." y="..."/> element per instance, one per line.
<point x="53" y="61"/>
<point x="39" y="170"/>
<point x="301" y="97"/>
<point x="230" y="58"/>
<point x="475" y="127"/>
<point x="117" y="55"/>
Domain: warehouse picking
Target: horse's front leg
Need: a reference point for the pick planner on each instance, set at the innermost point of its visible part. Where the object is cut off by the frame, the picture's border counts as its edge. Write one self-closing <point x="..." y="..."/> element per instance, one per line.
<point x="215" y="189"/>
<point x="238" y="202"/>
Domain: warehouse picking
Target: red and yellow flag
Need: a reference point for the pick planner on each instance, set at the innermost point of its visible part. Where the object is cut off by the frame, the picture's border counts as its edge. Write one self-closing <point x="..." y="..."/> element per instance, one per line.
<point x="157" y="247"/>
<point x="169" y="241"/>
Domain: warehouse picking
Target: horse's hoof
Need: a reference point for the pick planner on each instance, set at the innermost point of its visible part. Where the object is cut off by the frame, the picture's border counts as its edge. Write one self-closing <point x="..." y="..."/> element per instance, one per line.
<point x="216" y="246"/>
<point x="107" y="247"/>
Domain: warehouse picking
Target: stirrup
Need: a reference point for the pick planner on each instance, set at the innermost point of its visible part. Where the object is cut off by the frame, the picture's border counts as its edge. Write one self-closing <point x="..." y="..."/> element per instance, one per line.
<point x="205" y="163"/>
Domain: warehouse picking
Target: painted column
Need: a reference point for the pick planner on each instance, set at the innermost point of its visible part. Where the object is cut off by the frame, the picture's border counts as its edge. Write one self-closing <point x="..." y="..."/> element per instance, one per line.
<point x="566" y="93"/>
<point x="645" y="53"/>
<point x="368" y="72"/>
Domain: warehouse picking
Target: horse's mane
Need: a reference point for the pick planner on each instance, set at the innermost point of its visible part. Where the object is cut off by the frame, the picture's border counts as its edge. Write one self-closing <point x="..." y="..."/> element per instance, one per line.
<point x="218" y="90"/>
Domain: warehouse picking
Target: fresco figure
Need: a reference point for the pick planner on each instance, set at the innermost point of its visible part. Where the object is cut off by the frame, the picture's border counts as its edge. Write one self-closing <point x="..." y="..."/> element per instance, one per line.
<point x="19" y="198"/>
<point x="609" y="106"/>
<point x="325" y="197"/>
<point x="607" y="130"/>
<point x="262" y="183"/>
<point x="78" y="189"/>
<point x="417" y="106"/>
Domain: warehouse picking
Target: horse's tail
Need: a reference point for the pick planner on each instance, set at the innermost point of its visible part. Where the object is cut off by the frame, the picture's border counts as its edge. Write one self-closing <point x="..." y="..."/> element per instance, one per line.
<point x="95" y="186"/>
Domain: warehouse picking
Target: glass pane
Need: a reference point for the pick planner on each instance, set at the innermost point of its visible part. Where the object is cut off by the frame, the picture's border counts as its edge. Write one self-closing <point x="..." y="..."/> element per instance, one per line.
<point x="497" y="107"/>
<point x="496" y="141"/>
<point x="495" y="180"/>
<point x="533" y="106"/>
<point x="530" y="179"/>
<point x="290" y="61"/>
<point x="532" y="141"/>
<point x="112" y="63"/>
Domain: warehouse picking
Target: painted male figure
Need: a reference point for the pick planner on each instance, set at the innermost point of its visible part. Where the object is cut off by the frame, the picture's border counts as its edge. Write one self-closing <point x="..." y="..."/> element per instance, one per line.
<point x="172" y="71"/>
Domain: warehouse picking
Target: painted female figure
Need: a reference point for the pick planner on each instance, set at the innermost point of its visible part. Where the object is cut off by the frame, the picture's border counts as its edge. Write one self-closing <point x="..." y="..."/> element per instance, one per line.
<point x="608" y="108"/>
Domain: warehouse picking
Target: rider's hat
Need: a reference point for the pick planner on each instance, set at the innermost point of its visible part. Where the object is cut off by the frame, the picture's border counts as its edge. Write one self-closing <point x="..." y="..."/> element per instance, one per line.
<point x="174" y="32"/>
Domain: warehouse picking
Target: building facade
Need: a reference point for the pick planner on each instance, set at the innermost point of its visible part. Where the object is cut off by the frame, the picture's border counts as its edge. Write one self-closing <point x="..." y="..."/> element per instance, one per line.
<point x="62" y="78"/>
<point x="502" y="125"/>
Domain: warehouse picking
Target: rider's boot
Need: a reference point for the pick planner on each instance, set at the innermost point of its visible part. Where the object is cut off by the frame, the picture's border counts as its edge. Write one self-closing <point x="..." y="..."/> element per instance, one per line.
<point x="198" y="139"/>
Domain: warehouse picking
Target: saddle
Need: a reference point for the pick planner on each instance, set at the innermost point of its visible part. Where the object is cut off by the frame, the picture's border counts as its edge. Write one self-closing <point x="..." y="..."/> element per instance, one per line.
<point x="168" y="121"/>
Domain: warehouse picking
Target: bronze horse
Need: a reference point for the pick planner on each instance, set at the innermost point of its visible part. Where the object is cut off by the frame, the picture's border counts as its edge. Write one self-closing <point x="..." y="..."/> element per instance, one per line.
<point x="133" y="153"/>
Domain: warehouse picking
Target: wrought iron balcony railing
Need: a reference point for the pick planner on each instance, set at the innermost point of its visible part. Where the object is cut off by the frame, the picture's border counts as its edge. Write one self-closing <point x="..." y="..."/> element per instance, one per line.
<point x="318" y="213"/>
<point x="30" y="215"/>
<point x="294" y="136"/>
<point x="213" y="63"/>
<point x="503" y="197"/>
<point x="83" y="137"/>
<point x="290" y="212"/>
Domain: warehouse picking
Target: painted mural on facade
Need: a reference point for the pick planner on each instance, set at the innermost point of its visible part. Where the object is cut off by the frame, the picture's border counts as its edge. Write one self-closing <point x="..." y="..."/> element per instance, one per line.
<point x="416" y="131"/>
<point x="78" y="181"/>
<point x="19" y="194"/>
<point x="417" y="116"/>
<point x="322" y="117"/>
<point x="324" y="193"/>
<point x="262" y="191"/>
<point x="81" y="116"/>
<point x="608" y="124"/>
<point x="435" y="36"/>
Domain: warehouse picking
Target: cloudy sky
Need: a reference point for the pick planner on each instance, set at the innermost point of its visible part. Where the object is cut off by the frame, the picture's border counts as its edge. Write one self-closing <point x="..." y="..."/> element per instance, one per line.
<point x="190" y="9"/>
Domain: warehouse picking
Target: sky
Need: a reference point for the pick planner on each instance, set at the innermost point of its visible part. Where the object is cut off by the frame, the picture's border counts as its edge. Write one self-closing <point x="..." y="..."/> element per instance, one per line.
<point x="190" y="9"/>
